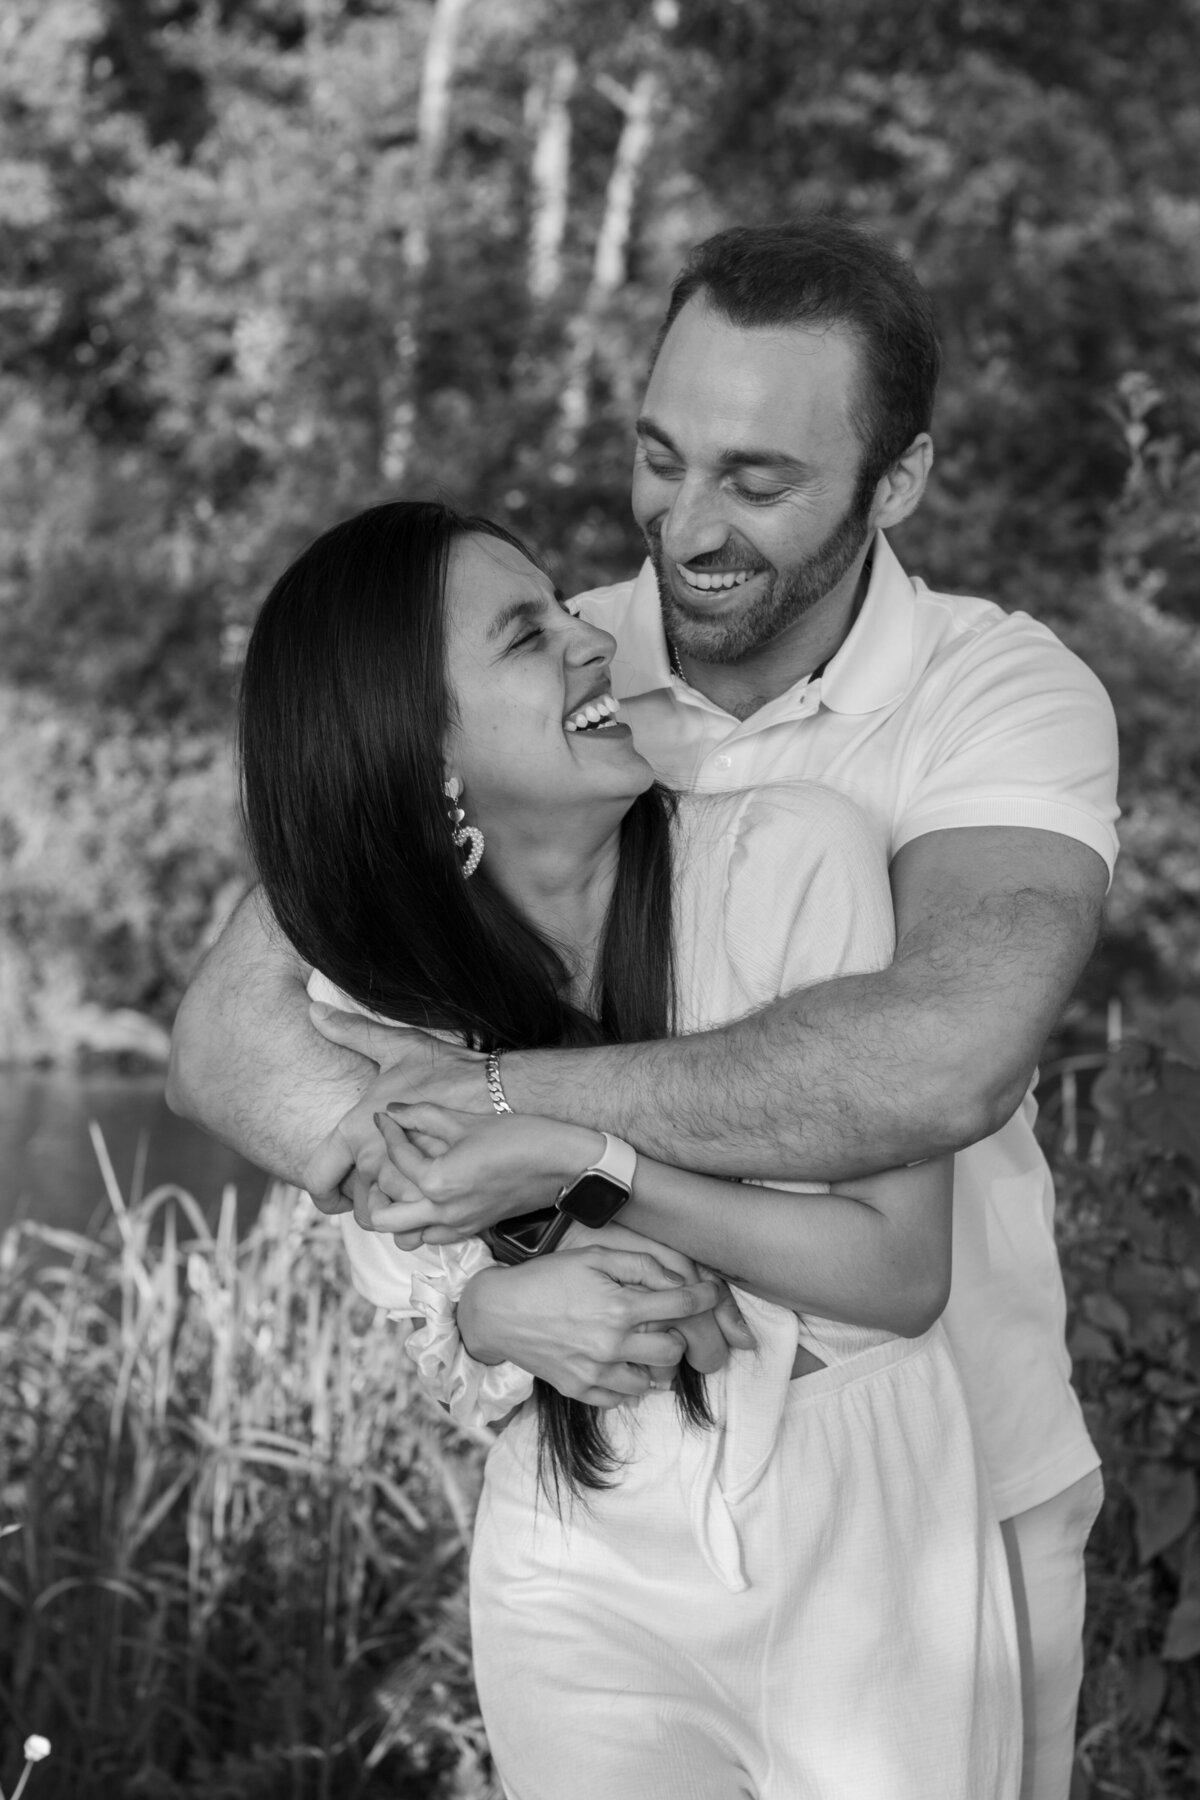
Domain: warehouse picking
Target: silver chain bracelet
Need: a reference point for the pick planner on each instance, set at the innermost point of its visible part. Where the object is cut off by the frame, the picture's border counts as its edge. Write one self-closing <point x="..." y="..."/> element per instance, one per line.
<point x="495" y="1090"/>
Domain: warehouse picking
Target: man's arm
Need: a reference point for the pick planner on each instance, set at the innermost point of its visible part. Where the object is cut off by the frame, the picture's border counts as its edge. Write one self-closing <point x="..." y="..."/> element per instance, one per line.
<point x="861" y="1073"/>
<point x="246" y="1063"/>
<point x="865" y="1072"/>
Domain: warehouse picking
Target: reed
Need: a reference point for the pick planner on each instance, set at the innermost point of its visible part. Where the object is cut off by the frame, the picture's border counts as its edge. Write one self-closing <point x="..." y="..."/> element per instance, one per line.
<point x="233" y="1528"/>
<point x="238" y="1562"/>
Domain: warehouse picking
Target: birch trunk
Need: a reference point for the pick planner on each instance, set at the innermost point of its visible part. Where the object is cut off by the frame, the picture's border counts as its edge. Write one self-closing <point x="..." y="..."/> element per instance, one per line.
<point x="433" y="120"/>
<point x="609" y="258"/>
<point x="549" y="116"/>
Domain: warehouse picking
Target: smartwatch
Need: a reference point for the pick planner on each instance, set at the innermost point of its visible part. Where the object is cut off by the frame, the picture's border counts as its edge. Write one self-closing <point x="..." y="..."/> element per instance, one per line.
<point x="593" y="1198"/>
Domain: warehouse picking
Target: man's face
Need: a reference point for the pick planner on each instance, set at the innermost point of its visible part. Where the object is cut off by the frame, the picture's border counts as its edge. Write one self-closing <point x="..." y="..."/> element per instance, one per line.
<point x="745" y="480"/>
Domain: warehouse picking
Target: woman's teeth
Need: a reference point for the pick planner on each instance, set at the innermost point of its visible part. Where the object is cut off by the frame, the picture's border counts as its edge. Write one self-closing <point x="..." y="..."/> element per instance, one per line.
<point x="595" y="715"/>
<point x="711" y="579"/>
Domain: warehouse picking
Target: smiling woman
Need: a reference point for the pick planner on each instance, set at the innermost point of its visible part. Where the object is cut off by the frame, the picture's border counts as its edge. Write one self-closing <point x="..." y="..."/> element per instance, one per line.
<point x="407" y="649"/>
<point x="535" y="735"/>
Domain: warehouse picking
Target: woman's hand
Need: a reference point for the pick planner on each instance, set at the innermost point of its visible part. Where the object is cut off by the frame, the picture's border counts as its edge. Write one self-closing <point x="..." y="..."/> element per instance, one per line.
<point x="599" y="1324"/>
<point x="708" y="1336"/>
<point x="445" y="1176"/>
<point x="437" y="1177"/>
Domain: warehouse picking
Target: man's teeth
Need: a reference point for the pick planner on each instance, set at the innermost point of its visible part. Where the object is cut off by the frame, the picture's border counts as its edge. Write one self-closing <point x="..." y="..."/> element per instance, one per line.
<point x="595" y="715"/>
<point x="708" y="580"/>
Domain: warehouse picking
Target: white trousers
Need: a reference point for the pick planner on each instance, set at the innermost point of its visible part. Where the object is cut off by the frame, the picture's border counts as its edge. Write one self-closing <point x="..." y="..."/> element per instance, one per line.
<point x="869" y="1652"/>
<point x="1045" y="1549"/>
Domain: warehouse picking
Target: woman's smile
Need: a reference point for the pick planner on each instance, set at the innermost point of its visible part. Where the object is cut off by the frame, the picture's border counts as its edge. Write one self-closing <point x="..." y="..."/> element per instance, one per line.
<point x="597" y="714"/>
<point x="532" y="685"/>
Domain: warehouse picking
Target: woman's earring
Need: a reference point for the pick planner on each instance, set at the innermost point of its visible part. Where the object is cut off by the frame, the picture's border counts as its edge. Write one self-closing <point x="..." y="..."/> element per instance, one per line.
<point x="464" y="835"/>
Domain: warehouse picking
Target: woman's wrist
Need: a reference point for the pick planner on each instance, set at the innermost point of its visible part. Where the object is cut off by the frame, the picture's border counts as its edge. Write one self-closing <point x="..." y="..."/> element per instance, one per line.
<point x="575" y="1148"/>
<point x="475" y="1314"/>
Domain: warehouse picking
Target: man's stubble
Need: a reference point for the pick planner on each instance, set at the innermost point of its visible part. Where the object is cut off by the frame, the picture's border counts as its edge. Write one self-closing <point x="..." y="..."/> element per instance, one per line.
<point x="786" y="597"/>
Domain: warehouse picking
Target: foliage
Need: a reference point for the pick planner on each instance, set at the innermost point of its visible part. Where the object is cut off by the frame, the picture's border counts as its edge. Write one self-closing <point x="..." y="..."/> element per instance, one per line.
<point x="234" y="1531"/>
<point x="251" y="287"/>
<point x="1129" y="1207"/>
<point x="119" y="851"/>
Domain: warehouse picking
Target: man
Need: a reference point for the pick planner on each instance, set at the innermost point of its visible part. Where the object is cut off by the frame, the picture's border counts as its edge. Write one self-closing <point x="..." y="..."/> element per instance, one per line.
<point x="773" y="636"/>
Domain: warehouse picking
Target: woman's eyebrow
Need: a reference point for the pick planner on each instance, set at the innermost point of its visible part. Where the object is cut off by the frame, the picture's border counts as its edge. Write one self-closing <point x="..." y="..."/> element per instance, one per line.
<point x="508" y="615"/>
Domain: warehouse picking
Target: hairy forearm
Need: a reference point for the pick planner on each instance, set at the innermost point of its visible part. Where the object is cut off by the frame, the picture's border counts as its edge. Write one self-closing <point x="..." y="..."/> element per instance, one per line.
<point x="246" y="1063"/>
<point x="839" y="1079"/>
<point x="850" y="1075"/>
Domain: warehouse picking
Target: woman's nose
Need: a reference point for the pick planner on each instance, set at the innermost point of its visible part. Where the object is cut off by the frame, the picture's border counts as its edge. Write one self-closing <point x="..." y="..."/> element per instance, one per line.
<point x="589" y="643"/>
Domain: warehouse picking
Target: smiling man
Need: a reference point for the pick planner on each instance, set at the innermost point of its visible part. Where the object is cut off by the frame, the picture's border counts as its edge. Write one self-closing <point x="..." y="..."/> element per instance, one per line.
<point x="758" y="549"/>
<point x="773" y="636"/>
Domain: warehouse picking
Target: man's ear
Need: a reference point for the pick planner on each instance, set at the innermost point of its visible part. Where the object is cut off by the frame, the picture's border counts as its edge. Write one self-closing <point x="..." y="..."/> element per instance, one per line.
<point x="900" y="490"/>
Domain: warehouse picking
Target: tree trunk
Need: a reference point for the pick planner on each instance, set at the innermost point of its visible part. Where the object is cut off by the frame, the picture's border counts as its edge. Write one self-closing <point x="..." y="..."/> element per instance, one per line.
<point x="433" y="118"/>
<point x="548" y="112"/>
<point x="609" y="258"/>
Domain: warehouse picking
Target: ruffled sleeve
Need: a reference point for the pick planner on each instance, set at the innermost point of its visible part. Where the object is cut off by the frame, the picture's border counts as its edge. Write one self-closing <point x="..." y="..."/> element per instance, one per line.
<point x="421" y="1290"/>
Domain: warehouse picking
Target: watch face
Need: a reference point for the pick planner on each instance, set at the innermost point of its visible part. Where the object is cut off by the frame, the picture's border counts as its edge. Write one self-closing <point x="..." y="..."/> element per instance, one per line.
<point x="529" y="1234"/>
<point x="594" y="1199"/>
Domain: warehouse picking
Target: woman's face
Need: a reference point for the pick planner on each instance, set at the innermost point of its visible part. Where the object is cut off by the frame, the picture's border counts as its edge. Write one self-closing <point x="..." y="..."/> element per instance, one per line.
<point x="522" y="671"/>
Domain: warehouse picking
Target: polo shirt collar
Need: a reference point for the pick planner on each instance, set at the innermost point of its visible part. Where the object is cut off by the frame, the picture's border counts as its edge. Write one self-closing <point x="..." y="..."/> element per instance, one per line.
<point x="869" y="671"/>
<point x="641" y="662"/>
<point x="873" y="666"/>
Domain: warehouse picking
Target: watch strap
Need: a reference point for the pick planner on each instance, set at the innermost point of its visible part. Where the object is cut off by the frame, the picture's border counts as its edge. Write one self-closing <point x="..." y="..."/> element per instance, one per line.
<point x="615" y="1168"/>
<point x="619" y="1160"/>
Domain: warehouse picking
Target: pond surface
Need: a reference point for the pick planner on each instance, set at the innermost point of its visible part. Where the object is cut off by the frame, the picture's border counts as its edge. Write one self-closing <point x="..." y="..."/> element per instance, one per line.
<point x="48" y="1166"/>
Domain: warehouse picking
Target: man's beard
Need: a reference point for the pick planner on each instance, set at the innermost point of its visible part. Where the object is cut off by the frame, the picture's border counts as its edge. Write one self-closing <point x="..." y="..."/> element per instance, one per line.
<point x="785" y="597"/>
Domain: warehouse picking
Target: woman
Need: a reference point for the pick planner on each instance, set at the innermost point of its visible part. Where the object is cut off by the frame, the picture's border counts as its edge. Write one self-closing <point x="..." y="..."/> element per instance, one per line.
<point x="806" y="1596"/>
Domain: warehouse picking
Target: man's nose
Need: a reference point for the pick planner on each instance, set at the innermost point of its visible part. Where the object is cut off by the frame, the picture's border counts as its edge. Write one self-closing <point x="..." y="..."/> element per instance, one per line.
<point x="694" y="525"/>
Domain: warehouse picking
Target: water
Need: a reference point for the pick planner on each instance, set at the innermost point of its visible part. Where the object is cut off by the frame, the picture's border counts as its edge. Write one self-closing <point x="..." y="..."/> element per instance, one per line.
<point x="48" y="1168"/>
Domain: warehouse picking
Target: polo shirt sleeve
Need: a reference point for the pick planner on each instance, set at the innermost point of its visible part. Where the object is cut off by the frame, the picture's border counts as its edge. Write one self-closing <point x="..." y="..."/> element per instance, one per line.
<point x="1014" y="730"/>
<point x="807" y="895"/>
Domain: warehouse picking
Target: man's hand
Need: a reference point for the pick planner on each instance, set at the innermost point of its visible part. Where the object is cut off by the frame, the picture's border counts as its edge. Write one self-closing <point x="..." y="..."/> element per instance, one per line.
<point x="422" y="1067"/>
<point x="440" y="1176"/>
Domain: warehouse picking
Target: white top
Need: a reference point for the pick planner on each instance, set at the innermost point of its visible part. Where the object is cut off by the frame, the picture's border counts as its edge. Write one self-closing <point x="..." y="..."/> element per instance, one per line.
<point x="938" y="711"/>
<point x="772" y="889"/>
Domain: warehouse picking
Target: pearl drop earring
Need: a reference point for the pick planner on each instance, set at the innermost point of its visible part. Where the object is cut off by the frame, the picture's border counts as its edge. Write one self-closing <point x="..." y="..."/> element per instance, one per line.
<point x="464" y="835"/>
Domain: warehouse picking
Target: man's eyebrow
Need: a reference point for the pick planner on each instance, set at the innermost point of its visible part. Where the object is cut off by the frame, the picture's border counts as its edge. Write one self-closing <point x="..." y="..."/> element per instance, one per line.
<point x="749" y="457"/>
<point x="508" y="615"/>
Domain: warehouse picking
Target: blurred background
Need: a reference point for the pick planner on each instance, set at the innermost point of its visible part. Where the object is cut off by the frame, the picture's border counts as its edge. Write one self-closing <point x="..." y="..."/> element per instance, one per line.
<point x="264" y="262"/>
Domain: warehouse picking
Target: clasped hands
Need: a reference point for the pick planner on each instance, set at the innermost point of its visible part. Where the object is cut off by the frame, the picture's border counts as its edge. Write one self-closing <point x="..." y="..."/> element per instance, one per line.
<point x="606" y="1317"/>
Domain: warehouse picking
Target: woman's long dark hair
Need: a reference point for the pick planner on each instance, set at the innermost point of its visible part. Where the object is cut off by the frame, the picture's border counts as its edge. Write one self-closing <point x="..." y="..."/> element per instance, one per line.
<point x="345" y="708"/>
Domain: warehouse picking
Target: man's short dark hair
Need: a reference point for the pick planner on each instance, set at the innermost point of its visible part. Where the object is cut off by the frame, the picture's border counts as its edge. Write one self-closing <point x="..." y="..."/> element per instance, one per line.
<point x="818" y="273"/>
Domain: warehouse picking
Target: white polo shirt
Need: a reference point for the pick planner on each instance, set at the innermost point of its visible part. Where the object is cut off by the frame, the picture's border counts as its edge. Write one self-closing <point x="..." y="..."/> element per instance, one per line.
<point x="937" y="712"/>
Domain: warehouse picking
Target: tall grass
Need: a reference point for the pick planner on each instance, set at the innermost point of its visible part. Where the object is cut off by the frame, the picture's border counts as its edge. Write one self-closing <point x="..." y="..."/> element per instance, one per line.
<point x="233" y="1529"/>
<point x="241" y="1528"/>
